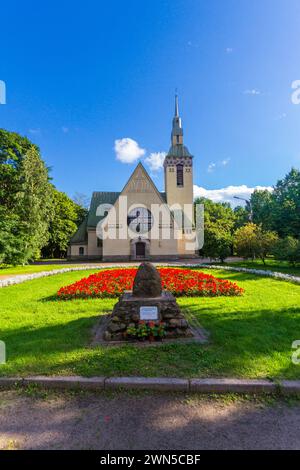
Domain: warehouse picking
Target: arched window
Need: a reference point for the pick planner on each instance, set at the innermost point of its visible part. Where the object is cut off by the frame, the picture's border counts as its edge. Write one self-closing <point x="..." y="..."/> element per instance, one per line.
<point x="81" y="250"/>
<point x="179" y="169"/>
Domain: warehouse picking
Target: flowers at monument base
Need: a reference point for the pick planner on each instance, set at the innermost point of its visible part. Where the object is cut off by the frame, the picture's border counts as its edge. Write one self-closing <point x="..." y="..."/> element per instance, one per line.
<point x="181" y="282"/>
<point x="152" y="330"/>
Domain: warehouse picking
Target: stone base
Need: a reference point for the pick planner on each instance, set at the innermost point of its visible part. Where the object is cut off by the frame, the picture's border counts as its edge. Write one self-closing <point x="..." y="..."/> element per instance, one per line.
<point x="127" y="313"/>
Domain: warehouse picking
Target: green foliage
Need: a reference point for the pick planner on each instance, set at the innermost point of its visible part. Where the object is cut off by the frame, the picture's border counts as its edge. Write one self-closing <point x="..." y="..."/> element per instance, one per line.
<point x="286" y="197"/>
<point x="262" y="208"/>
<point x="287" y="249"/>
<point x="245" y="241"/>
<point x="251" y="241"/>
<point x="265" y="242"/>
<point x="11" y="241"/>
<point x="241" y="216"/>
<point x="13" y="149"/>
<point x="25" y="199"/>
<point x="66" y="216"/>
<point x="279" y="210"/>
<point x="32" y="211"/>
<point x="33" y="204"/>
<point x="217" y="212"/>
<point x="219" y="222"/>
<point x="217" y="242"/>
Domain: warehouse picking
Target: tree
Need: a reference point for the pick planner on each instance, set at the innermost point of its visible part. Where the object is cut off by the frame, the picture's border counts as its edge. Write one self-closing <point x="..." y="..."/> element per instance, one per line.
<point x="286" y="205"/>
<point x="66" y="217"/>
<point x="251" y="241"/>
<point x="13" y="149"/>
<point x="217" y="242"/>
<point x="241" y="216"/>
<point x="244" y="241"/>
<point x="287" y="249"/>
<point x="81" y="200"/>
<point x="219" y="221"/>
<point x="33" y="204"/>
<point x="262" y="208"/>
<point x="220" y="212"/>
<point x="11" y="241"/>
<point x="265" y="242"/>
<point x="25" y="199"/>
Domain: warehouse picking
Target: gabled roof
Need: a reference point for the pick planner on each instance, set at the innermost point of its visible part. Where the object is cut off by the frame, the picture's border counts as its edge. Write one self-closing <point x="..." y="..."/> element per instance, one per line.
<point x="98" y="198"/>
<point x="91" y="220"/>
<point x="81" y="235"/>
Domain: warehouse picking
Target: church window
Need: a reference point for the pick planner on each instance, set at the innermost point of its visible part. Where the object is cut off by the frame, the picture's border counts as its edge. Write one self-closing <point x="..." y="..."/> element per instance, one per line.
<point x="180" y="175"/>
<point x="140" y="220"/>
<point x="81" y="250"/>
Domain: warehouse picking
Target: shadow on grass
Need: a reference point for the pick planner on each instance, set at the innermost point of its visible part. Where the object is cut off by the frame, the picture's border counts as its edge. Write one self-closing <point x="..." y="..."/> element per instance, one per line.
<point x="258" y="344"/>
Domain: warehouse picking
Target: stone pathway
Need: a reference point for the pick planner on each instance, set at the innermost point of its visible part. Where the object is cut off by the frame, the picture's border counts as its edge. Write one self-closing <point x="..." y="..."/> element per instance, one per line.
<point x="144" y="421"/>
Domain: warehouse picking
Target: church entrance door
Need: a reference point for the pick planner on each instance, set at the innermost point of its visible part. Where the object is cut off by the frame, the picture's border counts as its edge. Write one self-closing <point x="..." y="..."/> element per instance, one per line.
<point x="140" y="250"/>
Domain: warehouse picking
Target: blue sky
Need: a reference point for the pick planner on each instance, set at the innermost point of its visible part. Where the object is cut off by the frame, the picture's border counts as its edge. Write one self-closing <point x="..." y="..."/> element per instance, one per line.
<point x="81" y="75"/>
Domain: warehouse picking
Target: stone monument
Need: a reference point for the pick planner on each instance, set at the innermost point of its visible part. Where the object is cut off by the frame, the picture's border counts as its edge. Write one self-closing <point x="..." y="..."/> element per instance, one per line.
<point x="147" y="302"/>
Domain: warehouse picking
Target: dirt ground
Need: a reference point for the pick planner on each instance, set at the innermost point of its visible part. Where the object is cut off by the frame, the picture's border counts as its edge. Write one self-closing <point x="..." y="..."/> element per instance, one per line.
<point x="44" y="420"/>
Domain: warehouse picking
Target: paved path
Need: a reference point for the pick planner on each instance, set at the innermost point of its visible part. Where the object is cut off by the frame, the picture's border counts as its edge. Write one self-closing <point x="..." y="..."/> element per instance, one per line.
<point x="147" y="421"/>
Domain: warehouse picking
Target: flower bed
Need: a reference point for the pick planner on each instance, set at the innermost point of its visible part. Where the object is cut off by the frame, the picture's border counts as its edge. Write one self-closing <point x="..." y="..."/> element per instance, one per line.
<point x="181" y="282"/>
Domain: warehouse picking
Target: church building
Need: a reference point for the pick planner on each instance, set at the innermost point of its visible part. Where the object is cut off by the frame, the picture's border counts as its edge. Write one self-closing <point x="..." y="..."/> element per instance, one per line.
<point x="140" y="222"/>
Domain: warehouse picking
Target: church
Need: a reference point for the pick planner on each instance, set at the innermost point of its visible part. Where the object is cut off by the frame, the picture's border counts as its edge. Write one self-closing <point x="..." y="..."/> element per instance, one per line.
<point x="140" y="222"/>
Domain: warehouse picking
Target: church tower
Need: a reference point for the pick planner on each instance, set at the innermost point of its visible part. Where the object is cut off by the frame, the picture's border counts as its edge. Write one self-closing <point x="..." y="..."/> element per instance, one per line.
<point x="178" y="166"/>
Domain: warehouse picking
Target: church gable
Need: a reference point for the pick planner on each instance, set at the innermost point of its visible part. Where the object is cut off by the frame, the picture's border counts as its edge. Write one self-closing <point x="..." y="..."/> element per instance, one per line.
<point x="140" y="184"/>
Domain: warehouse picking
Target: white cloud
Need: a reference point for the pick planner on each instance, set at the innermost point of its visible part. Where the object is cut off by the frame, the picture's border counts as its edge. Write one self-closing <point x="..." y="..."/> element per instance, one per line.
<point x="252" y="91"/>
<point x="155" y="160"/>
<point x="225" y="161"/>
<point x="227" y="194"/>
<point x="34" y="131"/>
<point x="211" y="167"/>
<point x="128" y="150"/>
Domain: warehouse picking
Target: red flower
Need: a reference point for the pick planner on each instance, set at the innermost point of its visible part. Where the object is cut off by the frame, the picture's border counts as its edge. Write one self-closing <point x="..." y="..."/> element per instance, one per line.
<point x="113" y="282"/>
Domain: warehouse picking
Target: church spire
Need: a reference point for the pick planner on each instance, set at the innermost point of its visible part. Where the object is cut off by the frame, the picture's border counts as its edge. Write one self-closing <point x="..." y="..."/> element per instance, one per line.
<point x="177" y="148"/>
<point x="176" y="106"/>
<point x="177" y="131"/>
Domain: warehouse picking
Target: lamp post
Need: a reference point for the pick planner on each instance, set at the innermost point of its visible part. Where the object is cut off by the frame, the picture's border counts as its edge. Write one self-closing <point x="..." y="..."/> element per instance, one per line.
<point x="248" y="205"/>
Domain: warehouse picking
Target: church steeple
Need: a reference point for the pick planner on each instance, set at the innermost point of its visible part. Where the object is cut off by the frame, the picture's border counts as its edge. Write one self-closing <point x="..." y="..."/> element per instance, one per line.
<point x="178" y="166"/>
<point x="176" y="106"/>
<point x="177" y="148"/>
<point x="177" y="131"/>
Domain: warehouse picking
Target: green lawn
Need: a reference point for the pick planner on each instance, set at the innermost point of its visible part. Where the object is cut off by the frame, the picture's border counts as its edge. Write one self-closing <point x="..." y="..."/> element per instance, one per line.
<point x="271" y="265"/>
<point x="251" y="336"/>
<point x="31" y="268"/>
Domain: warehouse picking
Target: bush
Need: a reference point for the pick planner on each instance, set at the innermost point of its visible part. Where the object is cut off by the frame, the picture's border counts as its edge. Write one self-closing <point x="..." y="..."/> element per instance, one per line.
<point x="251" y="241"/>
<point x="287" y="249"/>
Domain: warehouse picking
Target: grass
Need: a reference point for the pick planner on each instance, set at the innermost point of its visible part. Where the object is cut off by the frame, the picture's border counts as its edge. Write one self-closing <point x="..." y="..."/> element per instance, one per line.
<point x="31" y="268"/>
<point x="251" y="336"/>
<point x="271" y="265"/>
